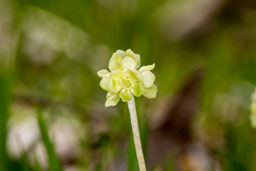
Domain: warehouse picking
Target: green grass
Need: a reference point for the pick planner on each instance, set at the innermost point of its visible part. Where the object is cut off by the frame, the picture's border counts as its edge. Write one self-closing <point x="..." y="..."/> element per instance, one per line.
<point x="4" y="114"/>
<point x="54" y="162"/>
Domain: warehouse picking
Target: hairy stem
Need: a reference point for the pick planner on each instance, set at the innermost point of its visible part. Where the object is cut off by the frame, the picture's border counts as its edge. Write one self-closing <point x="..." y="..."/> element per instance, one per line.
<point x="136" y="134"/>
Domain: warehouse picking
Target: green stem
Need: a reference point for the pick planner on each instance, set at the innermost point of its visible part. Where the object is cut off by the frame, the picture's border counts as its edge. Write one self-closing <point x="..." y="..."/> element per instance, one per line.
<point x="136" y="134"/>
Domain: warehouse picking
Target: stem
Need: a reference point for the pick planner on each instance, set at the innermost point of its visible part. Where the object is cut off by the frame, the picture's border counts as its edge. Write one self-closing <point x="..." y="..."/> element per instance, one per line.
<point x="136" y="134"/>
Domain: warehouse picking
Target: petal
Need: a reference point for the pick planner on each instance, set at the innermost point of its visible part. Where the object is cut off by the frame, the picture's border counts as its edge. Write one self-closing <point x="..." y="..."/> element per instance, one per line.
<point x="115" y="86"/>
<point x="103" y="73"/>
<point x="147" y="68"/>
<point x="115" y="61"/>
<point x="125" y="95"/>
<point x="120" y="52"/>
<point x="128" y="63"/>
<point x="112" y="99"/>
<point x="105" y="83"/>
<point x="148" y="78"/>
<point x="150" y="92"/>
<point x="253" y="120"/>
<point x="135" y="75"/>
<point x="116" y="76"/>
<point x="138" y="89"/>
<point x="253" y="108"/>
<point x="135" y="57"/>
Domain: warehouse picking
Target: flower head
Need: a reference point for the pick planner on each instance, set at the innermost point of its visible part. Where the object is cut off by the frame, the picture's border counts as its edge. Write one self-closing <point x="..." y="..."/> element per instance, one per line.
<point x="126" y="78"/>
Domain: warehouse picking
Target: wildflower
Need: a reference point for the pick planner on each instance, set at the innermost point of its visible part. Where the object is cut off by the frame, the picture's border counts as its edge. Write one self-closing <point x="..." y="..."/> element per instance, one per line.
<point x="126" y="79"/>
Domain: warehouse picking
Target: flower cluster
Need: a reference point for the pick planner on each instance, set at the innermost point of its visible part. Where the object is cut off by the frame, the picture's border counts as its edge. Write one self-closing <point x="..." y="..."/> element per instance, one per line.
<point x="126" y="79"/>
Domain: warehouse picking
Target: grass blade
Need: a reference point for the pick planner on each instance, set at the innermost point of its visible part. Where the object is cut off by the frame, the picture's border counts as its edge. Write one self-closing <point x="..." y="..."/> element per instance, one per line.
<point x="4" y="112"/>
<point x="54" y="162"/>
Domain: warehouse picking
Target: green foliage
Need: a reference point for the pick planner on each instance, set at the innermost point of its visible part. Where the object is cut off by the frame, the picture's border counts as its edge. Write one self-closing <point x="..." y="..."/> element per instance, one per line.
<point x="54" y="162"/>
<point x="4" y="114"/>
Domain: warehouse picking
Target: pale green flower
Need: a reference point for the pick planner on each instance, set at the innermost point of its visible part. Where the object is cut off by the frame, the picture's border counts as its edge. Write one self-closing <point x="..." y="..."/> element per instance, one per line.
<point x="253" y="110"/>
<point x="125" y="78"/>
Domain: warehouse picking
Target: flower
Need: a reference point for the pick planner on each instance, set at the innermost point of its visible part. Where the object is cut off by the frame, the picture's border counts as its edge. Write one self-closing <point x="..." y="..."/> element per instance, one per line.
<point x="126" y="78"/>
<point x="253" y="110"/>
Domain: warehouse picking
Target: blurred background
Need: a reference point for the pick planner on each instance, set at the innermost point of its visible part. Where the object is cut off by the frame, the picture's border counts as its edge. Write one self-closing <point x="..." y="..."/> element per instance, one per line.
<point x="52" y="114"/>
